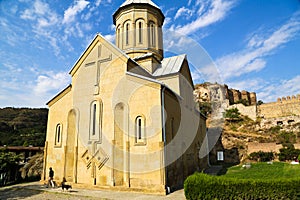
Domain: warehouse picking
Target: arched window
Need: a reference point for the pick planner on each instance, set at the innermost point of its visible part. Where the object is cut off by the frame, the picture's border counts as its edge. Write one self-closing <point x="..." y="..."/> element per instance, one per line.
<point x="94" y="118"/>
<point x="152" y="34"/>
<point x="140" y="136"/>
<point x="127" y="34"/>
<point x="119" y="36"/>
<point x="95" y="121"/>
<point x="58" y="135"/>
<point x="140" y="32"/>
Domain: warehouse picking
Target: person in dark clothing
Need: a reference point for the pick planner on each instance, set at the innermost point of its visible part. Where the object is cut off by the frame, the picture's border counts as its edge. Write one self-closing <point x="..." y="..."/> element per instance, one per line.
<point x="51" y="175"/>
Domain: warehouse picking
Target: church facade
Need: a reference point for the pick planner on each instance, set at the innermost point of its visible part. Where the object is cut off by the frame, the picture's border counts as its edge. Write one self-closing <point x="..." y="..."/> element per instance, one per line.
<point x="128" y="119"/>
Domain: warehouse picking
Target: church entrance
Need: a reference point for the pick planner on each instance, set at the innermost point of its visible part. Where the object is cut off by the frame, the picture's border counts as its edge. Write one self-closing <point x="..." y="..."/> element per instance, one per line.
<point x="70" y="148"/>
<point x="119" y="127"/>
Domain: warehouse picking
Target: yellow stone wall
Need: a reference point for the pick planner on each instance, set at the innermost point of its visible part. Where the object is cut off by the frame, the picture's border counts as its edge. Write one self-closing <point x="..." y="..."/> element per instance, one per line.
<point x="113" y="156"/>
<point x="286" y="106"/>
<point x="55" y="152"/>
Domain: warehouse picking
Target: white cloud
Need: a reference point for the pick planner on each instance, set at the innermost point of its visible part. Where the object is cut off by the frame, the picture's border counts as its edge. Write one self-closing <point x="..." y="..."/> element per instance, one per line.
<point x="110" y="38"/>
<point x="183" y="12"/>
<point x="252" y="58"/>
<point x="282" y="88"/>
<point x="268" y="91"/>
<point x="71" y="12"/>
<point x="41" y="13"/>
<point x="51" y="81"/>
<point x="97" y="3"/>
<point x="210" y="12"/>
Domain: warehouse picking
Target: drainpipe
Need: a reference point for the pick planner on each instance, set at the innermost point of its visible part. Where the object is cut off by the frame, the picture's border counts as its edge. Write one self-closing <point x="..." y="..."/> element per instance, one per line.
<point x="164" y="132"/>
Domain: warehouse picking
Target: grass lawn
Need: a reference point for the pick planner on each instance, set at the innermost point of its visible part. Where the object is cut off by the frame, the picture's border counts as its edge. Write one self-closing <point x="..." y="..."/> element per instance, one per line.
<point x="277" y="170"/>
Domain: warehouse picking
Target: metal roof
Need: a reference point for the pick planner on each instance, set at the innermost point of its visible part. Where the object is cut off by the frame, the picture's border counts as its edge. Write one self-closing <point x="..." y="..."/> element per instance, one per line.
<point x="170" y="65"/>
<point x="127" y="2"/>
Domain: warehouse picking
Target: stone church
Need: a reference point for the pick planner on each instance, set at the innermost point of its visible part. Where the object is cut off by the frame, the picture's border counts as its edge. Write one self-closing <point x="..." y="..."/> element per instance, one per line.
<point x="128" y="119"/>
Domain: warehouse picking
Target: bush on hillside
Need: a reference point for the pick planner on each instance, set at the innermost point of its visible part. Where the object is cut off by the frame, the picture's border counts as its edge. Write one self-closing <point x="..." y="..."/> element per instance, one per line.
<point x="288" y="152"/>
<point x="202" y="186"/>
<point x="262" y="156"/>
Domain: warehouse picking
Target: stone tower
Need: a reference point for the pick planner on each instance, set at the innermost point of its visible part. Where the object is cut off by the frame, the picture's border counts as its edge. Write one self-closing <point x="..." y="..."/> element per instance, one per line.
<point x="139" y="32"/>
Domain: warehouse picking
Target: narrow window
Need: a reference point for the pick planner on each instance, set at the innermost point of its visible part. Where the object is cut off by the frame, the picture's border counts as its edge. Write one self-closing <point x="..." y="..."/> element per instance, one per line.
<point x="119" y="37"/>
<point x="152" y="34"/>
<point x="140" y="33"/>
<point x="127" y="34"/>
<point x="139" y="124"/>
<point x="94" y="119"/>
<point x="220" y="156"/>
<point x="140" y="130"/>
<point x="58" y="135"/>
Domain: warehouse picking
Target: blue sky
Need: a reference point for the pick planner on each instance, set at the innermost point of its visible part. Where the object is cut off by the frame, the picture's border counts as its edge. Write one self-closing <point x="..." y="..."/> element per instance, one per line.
<point x="247" y="44"/>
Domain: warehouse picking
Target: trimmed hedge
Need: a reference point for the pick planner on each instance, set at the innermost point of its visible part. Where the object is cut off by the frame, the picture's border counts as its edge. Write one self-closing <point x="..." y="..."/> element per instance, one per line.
<point x="202" y="186"/>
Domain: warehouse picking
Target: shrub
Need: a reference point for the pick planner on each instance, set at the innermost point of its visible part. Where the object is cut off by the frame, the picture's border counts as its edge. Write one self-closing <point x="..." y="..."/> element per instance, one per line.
<point x="288" y="152"/>
<point x="286" y="137"/>
<point x="202" y="186"/>
<point x="262" y="156"/>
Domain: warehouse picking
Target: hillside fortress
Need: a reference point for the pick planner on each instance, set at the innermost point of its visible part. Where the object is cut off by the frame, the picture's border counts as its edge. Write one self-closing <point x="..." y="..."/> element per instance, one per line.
<point x="283" y="107"/>
<point x="128" y="120"/>
<point x="246" y="102"/>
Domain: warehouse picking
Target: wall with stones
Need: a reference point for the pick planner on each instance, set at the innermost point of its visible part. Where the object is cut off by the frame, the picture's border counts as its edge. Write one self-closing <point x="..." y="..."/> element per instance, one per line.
<point x="249" y="111"/>
<point x="206" y="92"/>
<point x="285" y="106"/>
<point x="266" y="147"/>
<point x="218" y="94"/>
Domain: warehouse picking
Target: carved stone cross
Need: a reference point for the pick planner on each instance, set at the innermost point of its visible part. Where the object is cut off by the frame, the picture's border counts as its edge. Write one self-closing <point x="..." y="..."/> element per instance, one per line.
<point x="95" y="159"/>
<point x="99" y="61"/>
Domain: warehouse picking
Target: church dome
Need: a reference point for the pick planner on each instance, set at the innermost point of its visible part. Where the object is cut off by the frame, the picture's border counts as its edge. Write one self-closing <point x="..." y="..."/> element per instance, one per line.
<point x="128" y="2"/>
<point x="139" y="29"/>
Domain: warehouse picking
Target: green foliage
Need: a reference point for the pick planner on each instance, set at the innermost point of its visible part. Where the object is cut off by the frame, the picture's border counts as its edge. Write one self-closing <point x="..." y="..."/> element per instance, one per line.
<point x="262" y="156"/>
<point x="23" y="126"/>
<point x="288" y="153"/>
<point x="275" y="129"/>
<point x="8" y="166"/>
<point x="260" y="102"/>
<point x="263" y="170"/>
<point x="202" y="186"/>
<point x="232" y="114"/>
<point x="286" y="137"/>
<point x="205" y="108"/>
<point x="8" y="160"/>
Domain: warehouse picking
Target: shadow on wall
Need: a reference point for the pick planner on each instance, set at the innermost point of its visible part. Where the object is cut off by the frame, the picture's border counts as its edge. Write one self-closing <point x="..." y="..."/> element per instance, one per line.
<point x="224" y="157"/>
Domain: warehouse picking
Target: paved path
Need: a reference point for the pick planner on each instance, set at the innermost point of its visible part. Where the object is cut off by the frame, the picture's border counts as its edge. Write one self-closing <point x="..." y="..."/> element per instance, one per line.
<point x="36" y="191"/>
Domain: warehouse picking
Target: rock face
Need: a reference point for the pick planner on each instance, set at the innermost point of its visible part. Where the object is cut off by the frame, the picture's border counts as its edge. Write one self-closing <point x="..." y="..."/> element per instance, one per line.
<point x="207" y="92"/>
<point x="269" y="121"/>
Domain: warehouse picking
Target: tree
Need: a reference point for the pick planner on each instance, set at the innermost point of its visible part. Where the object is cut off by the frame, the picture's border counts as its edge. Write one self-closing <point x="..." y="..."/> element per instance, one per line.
<point x="8" y="165"/>
<point x="232" y="114"/>
<point x="288" y="152"/>
<point x="260" y="102"/>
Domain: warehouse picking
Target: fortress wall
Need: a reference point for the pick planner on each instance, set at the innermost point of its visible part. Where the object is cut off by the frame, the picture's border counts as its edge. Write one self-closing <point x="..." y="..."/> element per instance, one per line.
<point x="266" y="147"/>
<point x="285" y="106"/>
<point x="249" y="111"/>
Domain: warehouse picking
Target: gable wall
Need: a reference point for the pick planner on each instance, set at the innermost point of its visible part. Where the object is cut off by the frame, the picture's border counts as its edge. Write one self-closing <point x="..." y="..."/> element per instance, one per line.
<point x="58" y="114"/>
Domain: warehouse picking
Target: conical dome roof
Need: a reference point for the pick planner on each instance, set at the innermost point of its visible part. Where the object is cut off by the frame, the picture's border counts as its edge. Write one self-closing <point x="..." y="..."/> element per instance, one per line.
<point x="127" y="2"/>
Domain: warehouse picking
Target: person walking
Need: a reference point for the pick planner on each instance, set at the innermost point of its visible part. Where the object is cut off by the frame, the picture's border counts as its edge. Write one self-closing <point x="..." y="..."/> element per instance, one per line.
<point x="51" y="175"/>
